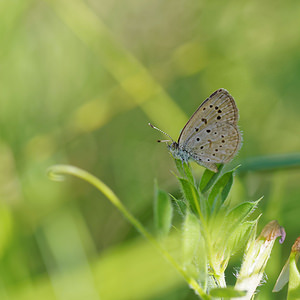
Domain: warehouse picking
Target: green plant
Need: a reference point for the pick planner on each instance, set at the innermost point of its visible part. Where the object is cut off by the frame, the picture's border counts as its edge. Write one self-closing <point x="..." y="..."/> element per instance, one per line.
<point x="211" y="231"/>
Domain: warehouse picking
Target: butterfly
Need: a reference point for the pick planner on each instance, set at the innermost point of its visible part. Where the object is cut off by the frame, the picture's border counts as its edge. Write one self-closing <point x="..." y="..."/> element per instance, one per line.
<point x="211" y="136"/>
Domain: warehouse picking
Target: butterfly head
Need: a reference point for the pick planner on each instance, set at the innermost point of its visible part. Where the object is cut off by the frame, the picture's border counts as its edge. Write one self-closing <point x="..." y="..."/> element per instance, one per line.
<point x="174" y="149"/>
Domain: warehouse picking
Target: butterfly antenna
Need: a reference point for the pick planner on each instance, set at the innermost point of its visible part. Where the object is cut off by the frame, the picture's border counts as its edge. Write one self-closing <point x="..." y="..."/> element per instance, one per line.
<point x="161" y="141"/>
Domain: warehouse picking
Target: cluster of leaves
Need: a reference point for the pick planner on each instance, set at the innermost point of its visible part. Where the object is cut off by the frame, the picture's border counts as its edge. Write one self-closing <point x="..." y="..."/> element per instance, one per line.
<point x="212" y="231"/>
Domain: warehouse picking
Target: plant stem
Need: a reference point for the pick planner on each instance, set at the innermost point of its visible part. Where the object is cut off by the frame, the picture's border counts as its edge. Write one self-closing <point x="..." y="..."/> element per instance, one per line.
<point x="56" y="173"/>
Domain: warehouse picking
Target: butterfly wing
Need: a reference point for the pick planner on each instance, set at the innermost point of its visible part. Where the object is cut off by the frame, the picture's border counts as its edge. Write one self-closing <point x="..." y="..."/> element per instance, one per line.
<point x="211" y="135"/>
<point x="217" y="143"/>
<point x="219" y="107"/>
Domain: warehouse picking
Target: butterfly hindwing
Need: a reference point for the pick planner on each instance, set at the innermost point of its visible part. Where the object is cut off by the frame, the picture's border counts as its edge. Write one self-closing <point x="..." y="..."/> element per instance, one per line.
<point x="217" y="143"/>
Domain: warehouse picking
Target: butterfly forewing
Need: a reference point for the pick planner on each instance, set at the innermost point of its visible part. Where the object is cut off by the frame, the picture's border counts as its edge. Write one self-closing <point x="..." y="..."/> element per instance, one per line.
<point x="219" y="107"/>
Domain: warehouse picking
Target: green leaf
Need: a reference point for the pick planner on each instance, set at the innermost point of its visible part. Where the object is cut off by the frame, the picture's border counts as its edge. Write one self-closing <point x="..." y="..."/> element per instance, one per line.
<point x="191" y="236"/>
<point x="238" y="214"/>
<point x="188" y="172"/>
<point x="231" y="231"/>
<point x="220" y="191"/>
<point x="179" y="166"/>
<point x="228" y="292"/>
<point x="294" y="278"/>
<point x="163" y="212"/>
<point x="180" y="204"/>
<point x="191" y="195"/>
<point x="209" y="178"/>
<point x="184" y="170"/>
<point x="194" y="253"/>
<point x="238" y="237"/>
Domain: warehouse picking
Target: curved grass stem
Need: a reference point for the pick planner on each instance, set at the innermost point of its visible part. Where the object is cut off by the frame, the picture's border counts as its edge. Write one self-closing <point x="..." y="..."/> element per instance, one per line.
<point x="57" y="173"/>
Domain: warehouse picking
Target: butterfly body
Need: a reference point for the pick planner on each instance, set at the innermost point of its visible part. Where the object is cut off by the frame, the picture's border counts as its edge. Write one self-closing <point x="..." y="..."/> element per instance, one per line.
<point x="179" y="152"/>
<point x="211" y="135"/>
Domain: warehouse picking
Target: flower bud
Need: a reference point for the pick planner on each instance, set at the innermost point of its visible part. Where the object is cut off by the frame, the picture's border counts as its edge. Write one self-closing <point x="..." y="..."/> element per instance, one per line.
<point x="256" y="256"/>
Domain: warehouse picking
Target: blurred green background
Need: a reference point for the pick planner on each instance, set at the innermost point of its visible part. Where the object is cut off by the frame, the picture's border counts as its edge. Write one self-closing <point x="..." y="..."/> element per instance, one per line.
<point x="80" y="80"/>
